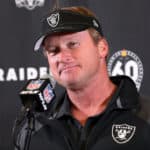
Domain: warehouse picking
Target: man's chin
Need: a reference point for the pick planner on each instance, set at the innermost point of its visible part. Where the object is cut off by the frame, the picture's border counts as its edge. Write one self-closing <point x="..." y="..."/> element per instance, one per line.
<point x="69" y="84"/>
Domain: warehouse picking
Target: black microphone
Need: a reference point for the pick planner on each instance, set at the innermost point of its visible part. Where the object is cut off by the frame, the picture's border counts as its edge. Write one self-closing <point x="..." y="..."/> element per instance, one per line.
<point x="37" y="94"/>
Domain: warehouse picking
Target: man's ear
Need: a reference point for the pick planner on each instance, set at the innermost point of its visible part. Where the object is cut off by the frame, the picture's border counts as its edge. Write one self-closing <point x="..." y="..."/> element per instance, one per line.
<point x="103" y="48"/>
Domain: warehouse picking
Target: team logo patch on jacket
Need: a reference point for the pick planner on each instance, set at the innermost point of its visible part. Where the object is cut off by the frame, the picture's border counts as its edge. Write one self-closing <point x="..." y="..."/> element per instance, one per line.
<point x="53" y="20"/>
<point x="122" y="133"/>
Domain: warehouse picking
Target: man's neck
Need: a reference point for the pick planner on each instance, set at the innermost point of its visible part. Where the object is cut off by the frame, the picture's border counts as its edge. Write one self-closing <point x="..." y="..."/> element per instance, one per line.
<point x="90" y="100"/>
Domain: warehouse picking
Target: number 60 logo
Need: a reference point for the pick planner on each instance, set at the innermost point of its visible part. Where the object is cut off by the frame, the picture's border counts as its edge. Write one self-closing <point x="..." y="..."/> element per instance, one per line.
<point x="125" y="62"/>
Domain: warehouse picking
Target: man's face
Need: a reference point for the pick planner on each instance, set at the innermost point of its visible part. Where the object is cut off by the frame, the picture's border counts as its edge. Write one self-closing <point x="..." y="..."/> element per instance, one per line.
<point x="73" y="58"/>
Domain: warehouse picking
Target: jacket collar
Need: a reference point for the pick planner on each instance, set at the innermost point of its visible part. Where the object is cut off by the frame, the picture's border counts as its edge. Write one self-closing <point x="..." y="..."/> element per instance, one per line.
<point x="125" y="97"/>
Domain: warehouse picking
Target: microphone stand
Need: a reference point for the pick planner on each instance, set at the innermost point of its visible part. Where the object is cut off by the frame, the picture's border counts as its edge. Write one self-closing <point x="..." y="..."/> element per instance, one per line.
<point x="30" y="128"/>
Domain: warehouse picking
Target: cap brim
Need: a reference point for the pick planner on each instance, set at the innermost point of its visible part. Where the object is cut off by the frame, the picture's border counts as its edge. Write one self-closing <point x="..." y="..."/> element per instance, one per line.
<point x="58" y="30"/>
<point x="39" y="43"/>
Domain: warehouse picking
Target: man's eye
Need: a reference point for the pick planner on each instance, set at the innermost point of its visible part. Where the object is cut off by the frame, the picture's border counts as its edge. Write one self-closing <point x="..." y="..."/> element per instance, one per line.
<point x="53" y="50"/>
<point x="73" y="44"/>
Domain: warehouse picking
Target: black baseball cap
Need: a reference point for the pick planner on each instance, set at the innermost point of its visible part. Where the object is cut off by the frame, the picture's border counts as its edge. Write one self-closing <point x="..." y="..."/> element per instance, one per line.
<point x="62" y="21"/>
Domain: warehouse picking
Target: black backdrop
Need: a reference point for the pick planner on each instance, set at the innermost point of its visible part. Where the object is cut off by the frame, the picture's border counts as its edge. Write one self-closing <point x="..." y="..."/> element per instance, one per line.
<point x="126" y="25"/>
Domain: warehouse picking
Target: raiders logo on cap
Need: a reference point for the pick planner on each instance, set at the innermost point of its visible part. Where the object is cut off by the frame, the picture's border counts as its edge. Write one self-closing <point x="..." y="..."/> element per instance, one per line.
<point x="53" y="20"/>
<point x="122" y="133"/>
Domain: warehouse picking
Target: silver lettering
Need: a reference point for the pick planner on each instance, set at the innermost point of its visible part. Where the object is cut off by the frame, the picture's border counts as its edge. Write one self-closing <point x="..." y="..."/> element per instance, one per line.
<point x="22" y="74"/>
<point x="1" y="75"/>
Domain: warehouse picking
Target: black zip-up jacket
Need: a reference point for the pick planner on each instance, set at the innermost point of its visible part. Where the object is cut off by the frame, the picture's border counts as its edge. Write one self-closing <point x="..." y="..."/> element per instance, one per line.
<point x="124" y="125"/>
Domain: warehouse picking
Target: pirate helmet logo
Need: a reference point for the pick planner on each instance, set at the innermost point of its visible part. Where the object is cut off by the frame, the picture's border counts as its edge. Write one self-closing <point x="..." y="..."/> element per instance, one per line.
<point x="29" y="4"/>
<point x="122" y="133"/>
<point x="53" y="20"/>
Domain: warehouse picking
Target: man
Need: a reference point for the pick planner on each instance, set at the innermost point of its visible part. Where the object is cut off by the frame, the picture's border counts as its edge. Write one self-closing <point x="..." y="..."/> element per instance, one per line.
<point x="95" y="111"/>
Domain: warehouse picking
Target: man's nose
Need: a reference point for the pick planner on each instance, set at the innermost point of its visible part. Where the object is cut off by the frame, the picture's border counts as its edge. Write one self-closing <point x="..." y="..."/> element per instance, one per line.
<point x="65" y="55"/>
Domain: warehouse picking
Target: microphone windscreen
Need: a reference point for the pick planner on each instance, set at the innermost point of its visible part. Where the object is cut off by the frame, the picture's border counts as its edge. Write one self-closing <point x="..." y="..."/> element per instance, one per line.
<point x="37" y="94"/>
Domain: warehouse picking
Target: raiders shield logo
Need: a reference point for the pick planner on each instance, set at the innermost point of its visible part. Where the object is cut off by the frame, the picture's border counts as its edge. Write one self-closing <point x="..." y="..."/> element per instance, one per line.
<point x="122" y="133"/>
<point x="53" y="20"/>
<point x="29" y="4"/>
